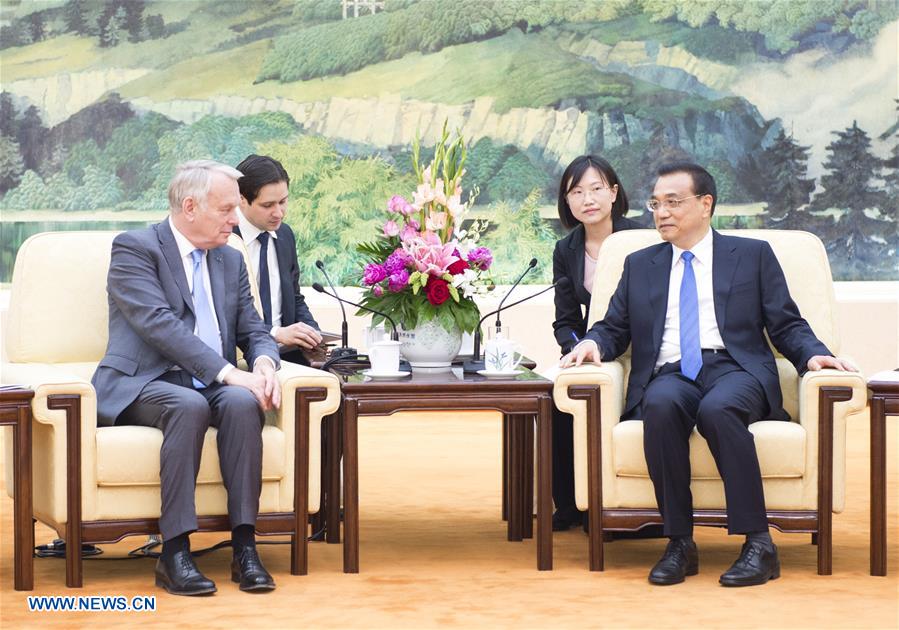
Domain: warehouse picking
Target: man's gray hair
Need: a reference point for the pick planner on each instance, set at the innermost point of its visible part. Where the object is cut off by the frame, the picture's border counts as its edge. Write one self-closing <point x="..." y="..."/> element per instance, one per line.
<point x="193" y="179"/>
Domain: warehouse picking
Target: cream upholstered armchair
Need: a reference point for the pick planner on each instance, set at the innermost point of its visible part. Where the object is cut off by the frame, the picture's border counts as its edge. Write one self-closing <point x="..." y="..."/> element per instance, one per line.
<point x="802" y="462"/>
<point x="99" y="484"/>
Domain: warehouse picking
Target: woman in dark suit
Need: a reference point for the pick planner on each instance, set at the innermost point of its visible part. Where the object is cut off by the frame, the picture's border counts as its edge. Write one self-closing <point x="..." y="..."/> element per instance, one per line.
<point x="592" y="205"/>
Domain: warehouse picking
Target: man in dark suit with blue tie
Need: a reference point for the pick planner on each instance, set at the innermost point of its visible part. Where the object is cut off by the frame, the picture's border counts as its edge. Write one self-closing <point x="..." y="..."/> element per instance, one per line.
<point x="272" y="249"/>
<point x="179" y="305"/>
<point x="695" y="310"/>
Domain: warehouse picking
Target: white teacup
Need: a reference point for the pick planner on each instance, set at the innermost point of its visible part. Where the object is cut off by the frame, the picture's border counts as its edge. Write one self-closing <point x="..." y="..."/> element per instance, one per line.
<point x="501" y="355"/>
<point x="385" y="357"/>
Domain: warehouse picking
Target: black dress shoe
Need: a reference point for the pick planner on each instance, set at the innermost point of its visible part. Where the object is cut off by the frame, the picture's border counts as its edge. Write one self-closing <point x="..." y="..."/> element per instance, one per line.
<point x="566" y="518"/>
<point x="247" y="570"/>
<point x="757" y="564"/>
<point x="179" y="575"/>
<point x="679" y="560"/>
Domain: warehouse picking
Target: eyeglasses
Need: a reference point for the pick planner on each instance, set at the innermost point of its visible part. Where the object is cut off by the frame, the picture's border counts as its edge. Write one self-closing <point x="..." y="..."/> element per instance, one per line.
<point x="654" y="205"/>
<point x="579" y="194"/>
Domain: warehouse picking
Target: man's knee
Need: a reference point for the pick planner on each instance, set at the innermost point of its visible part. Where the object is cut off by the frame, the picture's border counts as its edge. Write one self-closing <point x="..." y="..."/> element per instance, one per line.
<point x="239" y="403"/>
<point x="191" y="413"/>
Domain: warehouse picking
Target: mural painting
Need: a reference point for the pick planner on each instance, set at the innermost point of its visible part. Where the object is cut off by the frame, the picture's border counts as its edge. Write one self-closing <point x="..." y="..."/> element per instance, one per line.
<point x="791" y="104"/>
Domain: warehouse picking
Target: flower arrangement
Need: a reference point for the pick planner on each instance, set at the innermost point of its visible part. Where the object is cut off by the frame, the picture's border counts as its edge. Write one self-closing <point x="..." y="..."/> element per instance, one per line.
<point x="423" y="265"/>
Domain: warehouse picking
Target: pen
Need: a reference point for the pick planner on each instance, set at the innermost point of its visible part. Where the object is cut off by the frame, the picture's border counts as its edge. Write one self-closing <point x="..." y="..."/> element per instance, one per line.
<point x="574" y="336"/>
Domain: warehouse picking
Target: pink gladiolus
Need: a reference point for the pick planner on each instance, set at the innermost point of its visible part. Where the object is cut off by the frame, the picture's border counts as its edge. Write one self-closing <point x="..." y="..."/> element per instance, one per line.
<point x="391" y="228"/>
<point x="436" y="221"/>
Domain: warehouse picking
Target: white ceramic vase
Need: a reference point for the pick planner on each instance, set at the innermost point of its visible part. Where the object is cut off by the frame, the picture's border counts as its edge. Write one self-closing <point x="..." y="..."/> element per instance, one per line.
<point x="429" y="345"/>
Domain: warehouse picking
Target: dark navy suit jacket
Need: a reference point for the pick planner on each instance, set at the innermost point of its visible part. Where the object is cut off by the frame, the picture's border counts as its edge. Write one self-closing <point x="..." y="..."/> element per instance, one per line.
<point x="751" y="298"/>
<point x="293" y="305"/>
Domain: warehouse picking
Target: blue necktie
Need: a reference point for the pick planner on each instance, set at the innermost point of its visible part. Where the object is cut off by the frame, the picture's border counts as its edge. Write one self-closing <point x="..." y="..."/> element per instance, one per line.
<point x="206" y="329"/>
<point x="690" y="350"/>
<point x="265" y="288"/>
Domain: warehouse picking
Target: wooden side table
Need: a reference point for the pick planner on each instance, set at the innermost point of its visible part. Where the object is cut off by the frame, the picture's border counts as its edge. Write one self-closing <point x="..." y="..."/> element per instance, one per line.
<point x="884" y="388"/>
<point x="15" y="411"/>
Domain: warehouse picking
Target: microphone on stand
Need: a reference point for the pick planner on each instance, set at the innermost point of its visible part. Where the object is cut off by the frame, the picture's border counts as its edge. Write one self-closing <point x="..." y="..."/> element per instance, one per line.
<point x="530" y="266"/>
<point x="476" y="363"/>
<point x="344" y="349"/>
<point x="394" y="335"/>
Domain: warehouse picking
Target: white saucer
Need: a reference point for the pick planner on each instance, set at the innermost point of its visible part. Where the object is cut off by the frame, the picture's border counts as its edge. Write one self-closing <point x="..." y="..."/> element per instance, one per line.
<point x="491" y="374"/>
<point x="383" y="376"/>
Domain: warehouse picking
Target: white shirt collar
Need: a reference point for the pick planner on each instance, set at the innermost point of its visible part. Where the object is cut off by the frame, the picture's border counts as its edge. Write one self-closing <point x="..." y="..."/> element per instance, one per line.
<point x="248" y="231"/>
<point x="702" y="251"/>
<point x="185" y="247"/>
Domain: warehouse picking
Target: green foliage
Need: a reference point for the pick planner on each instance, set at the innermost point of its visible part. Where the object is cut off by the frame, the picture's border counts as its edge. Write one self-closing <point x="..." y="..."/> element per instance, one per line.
<point x="782" y="23"/>
<point x="228" y="140"/>
<point x="518" y="234"/>
<point x="334" y="203"/>
<point x="782" y="173"/>
<point x="852" y="184"/>
<point x="517" y="178"/>
<point x="11" y="165"/>
<point x="30" y="193"/>
<point x="348" y="45"/>
<point x="314" y="11"/>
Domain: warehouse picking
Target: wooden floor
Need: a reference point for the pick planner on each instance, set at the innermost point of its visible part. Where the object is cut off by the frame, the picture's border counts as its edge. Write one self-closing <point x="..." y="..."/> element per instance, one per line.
<point x="433" y="553"/>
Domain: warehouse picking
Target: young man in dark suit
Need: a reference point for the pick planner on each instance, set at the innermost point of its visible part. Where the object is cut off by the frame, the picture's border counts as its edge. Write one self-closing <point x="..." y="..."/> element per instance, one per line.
<point x="272" y="248"/>
<point x="695" y="310"/>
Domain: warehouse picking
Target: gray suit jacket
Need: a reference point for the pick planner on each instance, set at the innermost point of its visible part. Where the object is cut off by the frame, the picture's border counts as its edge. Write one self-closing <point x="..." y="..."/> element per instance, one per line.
<point x="151" y="318"/>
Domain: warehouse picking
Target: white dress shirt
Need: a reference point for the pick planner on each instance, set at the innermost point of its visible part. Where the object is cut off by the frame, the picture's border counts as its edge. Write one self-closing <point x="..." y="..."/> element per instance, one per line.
<point x="250" y="235"/>
<point x="709" y="336"/>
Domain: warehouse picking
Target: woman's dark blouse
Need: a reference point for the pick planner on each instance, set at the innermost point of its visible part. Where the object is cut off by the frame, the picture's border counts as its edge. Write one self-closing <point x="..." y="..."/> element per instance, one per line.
<point x="573" y="301"/>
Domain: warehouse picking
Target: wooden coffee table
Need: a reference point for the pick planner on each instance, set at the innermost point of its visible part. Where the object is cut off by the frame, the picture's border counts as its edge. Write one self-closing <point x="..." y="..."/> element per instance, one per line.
<point x="519" y="398"/>
<point x="15" y="411"/>
<point x="884" y="388"/>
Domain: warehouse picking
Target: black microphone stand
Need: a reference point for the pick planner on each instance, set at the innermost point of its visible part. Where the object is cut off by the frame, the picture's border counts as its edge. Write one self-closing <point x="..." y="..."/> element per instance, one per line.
<point x="476" y="363"/>
<point x="344" y="349"/>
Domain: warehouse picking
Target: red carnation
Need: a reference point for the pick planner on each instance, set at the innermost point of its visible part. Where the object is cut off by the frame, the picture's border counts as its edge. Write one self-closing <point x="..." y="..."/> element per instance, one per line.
<point x="437" y="290"/>
<point x="457" y="267"/>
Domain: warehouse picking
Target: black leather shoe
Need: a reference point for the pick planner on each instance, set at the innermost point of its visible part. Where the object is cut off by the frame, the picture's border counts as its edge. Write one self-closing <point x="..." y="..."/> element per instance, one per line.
<point x="247" y="570"/>
<point x="180" y="576"/>
<point x="757" y="564"/>
<point x="679" y="560"/>
<point x="566" y="518"/>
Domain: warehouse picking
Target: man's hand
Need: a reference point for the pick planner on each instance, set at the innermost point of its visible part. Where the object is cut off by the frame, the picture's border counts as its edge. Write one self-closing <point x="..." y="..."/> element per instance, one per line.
<point x="299" y="334"/>
<point x="819" y="362"/>
<point x="261" y="382"/>
<point x="586" y="350"/>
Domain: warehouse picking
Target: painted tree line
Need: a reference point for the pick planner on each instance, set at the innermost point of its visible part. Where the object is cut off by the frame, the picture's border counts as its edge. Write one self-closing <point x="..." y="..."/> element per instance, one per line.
<point x="111" y="22"/>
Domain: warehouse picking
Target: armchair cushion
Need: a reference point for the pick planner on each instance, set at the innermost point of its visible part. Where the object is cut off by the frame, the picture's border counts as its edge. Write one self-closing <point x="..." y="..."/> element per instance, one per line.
<point x="780" y="447"/>
<point x="119" y="463"/>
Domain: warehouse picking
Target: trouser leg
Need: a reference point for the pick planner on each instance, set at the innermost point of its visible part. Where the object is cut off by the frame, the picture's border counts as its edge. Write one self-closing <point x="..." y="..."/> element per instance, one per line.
<point x="733" y="401"/>
<point x="669" y="408"/>
<point x="563" y="460"/>
<point x="183" y="416"/>
<point x="239" y="420"/>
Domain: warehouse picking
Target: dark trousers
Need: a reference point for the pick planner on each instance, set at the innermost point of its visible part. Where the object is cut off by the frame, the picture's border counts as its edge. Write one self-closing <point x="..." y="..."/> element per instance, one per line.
<point x="563" y="460"/>
<point x="171" y="403"/>
<point x="721" y="404"/>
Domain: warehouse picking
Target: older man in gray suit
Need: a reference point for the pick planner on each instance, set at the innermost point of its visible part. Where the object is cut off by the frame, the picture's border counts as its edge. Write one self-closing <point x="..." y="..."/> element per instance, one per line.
<point x="179" y="305"/>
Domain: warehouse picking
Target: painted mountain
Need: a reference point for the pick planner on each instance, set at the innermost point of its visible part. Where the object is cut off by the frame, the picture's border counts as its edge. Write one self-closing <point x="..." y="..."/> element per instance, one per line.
<point x="791" y="104"/>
